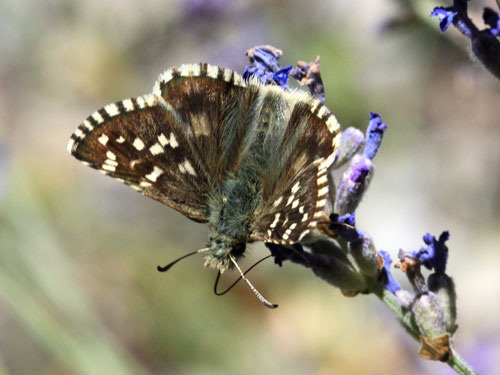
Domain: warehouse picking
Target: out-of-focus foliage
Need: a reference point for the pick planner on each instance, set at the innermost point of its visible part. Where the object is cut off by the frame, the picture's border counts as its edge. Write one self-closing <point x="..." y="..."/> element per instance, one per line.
<point x="79" y="293"/>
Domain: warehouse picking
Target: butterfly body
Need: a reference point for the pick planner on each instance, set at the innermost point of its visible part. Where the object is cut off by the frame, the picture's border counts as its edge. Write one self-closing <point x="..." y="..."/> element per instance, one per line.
<point x="247" y="158"/>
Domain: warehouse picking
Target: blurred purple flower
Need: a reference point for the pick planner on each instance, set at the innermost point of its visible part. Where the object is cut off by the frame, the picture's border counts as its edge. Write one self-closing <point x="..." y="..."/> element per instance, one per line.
<point x="204" y="9"/>
<point x="435" y="254"/>
<point x="484" y="43"/>
<point x="389" y="282"/>
<point x="374" y="133"/>
<point x="265" y="66"/>
<point x="353" y="184"/>
<point x="309" y="74"/>
<point x="446" y="16"/>
<point x="344" y="226"/>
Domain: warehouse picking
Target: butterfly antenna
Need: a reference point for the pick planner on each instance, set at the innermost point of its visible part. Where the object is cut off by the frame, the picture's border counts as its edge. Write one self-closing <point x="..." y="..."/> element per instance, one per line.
<point x="168" y="266"/>
<point x="264" y="301"/>
<point x="237" y="280"/>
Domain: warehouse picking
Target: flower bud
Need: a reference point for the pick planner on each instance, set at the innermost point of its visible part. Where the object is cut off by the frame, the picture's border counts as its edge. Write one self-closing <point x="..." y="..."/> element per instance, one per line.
<point x="442" y="285"/>
<point x="374" y="134"/>
<point x="350" y="142"/>
<point x="366" y="256"/>
<point x="387" y="279"/>
<point x="335" y="268"/>
<point x="353" y="185"/>
<point x="429" y="315"/>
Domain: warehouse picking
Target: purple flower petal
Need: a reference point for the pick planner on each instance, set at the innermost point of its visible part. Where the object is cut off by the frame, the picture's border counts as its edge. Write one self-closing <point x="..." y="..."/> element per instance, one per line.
<point x="446" y="15"/>
<point x="281" y="76"/>
<point x="265" y="66"/>
<point x="389" y="281"/>
<point x="435" y="254"/>
<point x="344" y="226"/>
<point x="374" y="133"/>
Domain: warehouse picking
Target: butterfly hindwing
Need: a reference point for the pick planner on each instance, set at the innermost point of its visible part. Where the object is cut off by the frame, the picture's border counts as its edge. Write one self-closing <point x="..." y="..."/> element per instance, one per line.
<point x="295" y="187"/>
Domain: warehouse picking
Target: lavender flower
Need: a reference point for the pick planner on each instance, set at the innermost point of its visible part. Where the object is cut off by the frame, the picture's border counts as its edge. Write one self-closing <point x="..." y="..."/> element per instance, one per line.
<point x="265" y="66"/>
<point x="446" y="16"/>
<point x="435" y="254"/>
<point x="374" y="133"/>
<point x="353" y="184"/>
<point x="484" y="43"/>
<point x="350" y="143"/>
<point x="308" y="74"/>
<point x="389" y="281"/>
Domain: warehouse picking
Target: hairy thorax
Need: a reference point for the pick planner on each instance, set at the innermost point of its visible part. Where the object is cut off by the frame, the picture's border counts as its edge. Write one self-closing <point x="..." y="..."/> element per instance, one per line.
<point x="232" y="212"/>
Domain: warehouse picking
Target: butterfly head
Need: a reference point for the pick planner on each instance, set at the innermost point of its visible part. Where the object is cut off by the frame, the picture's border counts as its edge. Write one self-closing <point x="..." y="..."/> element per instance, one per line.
<point x="221" y="247"/>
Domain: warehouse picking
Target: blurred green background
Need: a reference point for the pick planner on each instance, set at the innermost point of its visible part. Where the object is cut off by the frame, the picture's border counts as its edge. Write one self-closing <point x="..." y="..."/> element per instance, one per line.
<point x="79" y="292"/>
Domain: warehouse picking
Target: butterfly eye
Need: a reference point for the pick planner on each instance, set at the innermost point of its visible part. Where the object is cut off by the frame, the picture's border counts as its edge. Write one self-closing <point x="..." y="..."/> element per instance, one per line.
<point x="238" y="249"/>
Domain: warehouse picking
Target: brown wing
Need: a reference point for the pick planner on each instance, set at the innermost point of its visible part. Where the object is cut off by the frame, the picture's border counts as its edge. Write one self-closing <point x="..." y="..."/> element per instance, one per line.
<point x="295" y="186"/>
<point x="175" y="144"/>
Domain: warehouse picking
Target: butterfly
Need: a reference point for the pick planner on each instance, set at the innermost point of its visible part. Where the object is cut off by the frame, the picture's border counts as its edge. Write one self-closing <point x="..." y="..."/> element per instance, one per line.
<point x="249" y="159"/>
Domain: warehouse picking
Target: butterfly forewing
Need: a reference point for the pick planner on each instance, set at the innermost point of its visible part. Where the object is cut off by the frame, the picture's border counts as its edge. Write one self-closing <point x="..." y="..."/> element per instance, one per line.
<point x="140" y="143"/>
<point x="218" y="110"/>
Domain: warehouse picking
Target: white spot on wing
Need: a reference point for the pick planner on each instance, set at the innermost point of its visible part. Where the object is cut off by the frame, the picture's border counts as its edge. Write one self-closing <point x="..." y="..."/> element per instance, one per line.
<point x="295" y="203"/>
<point x="173" y="141"/>
<point x="110" y="155"/>
<point x="120" y="139"/>
<point x="112" y="109"/>
<point x="189" y="168"/>
<point x="97" y="116"/>
<point x="275" y="222"/>
<point x="212" y="71"/>
<point x="111" y="162"/>
<point x="138" y="144"/>
<point x="110" y="168"/>
<point x="290" y="200"/>
<point x="186" y="166"/>
<point x="301" y="209"/>
<point x="128" y="104"/>
<point x="156" y="149"/>
<point x="71" y="145"/>
<point x="305" y="217"/>
<point x="321" y="112"/>
<point x="163" y="140"/>
<point x="140" y="102"/>
<point x="88" y="125"/>
<point x="322" y="180"/>
<point x="323" y="191"/>
<point x="277" y="202"/>
<point x="79" y="133"/>
<point x="103" y="139"/>
<point x="320" y="203"/>
<point x="227" y="74"/>
<point x="153" y="176"/>
<point x="296" y="187"/>
<point x="150" y="100"/>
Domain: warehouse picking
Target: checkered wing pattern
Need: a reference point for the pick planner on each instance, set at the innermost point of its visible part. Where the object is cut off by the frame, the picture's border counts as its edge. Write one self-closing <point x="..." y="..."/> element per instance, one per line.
<point x="296" y="187"/>
<point x="170" y="145"/>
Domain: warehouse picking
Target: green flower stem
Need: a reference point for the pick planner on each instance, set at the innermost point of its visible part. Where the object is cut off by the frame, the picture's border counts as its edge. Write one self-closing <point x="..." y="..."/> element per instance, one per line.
<point x="459" y="364"/>
<point x="456" y="362"/>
